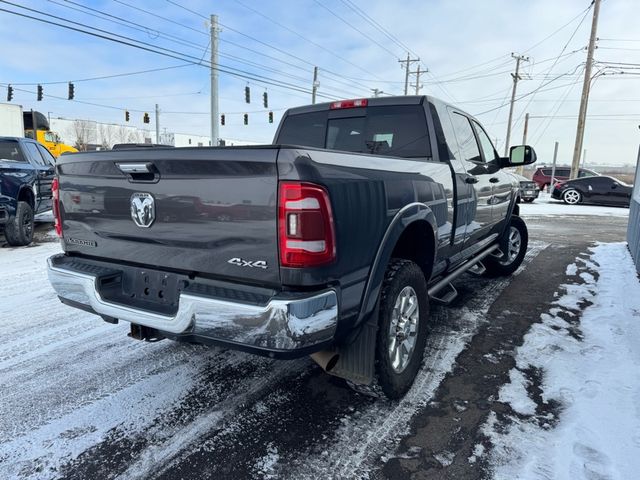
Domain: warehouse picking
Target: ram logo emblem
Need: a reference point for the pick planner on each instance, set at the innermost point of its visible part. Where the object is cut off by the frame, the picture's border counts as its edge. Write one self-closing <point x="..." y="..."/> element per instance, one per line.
<point x="143" y="209"/>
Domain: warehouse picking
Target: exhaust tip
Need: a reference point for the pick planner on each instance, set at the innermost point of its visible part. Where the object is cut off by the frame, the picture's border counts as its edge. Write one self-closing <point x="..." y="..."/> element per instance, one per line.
<point x="327" y="359"/>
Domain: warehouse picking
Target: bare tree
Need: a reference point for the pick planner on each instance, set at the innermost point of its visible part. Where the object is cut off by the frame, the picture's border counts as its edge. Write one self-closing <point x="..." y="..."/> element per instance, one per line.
<point x="135" y="137"/>
<point x="82" y="131"/>
<point x="107" y="134"/>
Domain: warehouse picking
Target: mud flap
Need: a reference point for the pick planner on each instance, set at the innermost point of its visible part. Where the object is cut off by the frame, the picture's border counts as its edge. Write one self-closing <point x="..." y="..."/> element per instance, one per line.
<point x="357" y="360"/>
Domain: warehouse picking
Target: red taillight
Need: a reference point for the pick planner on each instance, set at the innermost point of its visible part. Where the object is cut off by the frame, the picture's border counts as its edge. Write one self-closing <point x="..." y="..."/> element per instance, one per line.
<point x="55" y="193"/>
<point x="362" y="102"/>
<point x="305" y="224"/>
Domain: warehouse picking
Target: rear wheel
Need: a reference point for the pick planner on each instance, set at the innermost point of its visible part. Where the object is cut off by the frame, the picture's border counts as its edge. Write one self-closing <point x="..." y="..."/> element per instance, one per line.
<point x="19" y="230"/>
<point x="571" y="196"/>
<point x="513" y="246"/>
<point x="402" y="333"/>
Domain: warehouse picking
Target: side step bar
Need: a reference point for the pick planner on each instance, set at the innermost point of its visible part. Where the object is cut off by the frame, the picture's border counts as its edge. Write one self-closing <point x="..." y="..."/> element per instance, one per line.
<point x="452" y="293"/>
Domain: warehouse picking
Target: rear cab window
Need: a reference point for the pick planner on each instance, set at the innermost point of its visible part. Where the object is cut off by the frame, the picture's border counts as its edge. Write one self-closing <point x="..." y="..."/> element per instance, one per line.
<point x="10" y="151"/>
<point x="399" y="131"/>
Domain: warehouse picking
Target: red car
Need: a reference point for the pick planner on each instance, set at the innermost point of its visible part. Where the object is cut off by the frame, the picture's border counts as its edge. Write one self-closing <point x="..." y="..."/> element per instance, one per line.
<point x="542" y="175"/>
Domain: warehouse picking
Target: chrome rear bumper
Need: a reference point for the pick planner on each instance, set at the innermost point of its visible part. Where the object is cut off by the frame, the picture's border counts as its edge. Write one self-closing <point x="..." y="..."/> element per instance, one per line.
<point x="293" y="322"/>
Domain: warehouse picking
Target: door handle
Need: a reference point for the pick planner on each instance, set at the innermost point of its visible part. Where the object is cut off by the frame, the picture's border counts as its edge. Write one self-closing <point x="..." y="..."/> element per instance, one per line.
<point x="471" y="179"/>
<point x="494" y="179"/>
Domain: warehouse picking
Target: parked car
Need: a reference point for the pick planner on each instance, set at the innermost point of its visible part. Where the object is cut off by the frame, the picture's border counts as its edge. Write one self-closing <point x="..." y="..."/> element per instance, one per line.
<point x="542" y="175"/>
<point x="26" y="176"/>
<point x="529" y="191"/>
<point x="333" y="239"/>
<point x="598" y="190"/>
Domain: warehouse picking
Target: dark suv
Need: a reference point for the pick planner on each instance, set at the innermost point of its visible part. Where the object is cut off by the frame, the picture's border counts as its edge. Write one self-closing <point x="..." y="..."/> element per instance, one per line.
<point x="26" y="174"/>
<point x="542" y="175"/>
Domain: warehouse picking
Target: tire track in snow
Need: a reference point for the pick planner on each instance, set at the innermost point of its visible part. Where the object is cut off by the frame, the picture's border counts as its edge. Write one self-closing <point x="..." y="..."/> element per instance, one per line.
<point x="379" y="428"/>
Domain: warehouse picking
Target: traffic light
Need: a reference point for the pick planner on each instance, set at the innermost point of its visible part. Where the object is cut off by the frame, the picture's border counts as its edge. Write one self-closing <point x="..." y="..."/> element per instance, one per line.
<point x="246" y="119"/>
<point x="126" y="115"/>
<point x="247" y="94"/>
<point x="9" y="93"/>
<point x="270" y="117"/>
<point x="71" y="91"/>
<point x="39" y="92"/>
<point x="265" y="100"/>
<point x="222" y="119"/>
<point x="145" y="118"/>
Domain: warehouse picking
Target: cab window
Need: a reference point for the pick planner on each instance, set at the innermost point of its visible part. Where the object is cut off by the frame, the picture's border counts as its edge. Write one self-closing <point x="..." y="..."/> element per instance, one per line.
<point x="466" y="139"/>
<point x="485" y="143"/>
<point x="34" y="154"/>
<point x="10" y="151"/>
<point x="50" y="137"/>
<point x="46" y="155"/>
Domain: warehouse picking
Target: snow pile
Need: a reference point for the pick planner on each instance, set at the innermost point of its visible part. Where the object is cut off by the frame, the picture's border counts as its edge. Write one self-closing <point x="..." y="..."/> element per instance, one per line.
<point x="575" y="390"/>
<point x="545" y="205"/>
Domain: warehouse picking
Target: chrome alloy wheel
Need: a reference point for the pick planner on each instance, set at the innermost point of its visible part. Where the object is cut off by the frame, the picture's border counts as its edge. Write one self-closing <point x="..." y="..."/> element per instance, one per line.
<point x="403" y="329"/>
<point x="514" y="244"/>
<point x="571" y="197"/>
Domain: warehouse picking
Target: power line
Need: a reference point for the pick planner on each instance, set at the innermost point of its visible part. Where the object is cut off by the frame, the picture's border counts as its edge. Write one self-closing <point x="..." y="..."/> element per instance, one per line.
<point x="561" y="28"/>
<point x="555" y="62"/>
<point x="302" y="60"/>
<point x="95" y="13"/>
<point x="158" y="50"/>
<point x="257" y="12"/>
<point x="353" y="27"/>
<point x="146" y="29"/>
<point x="362" y="14"/>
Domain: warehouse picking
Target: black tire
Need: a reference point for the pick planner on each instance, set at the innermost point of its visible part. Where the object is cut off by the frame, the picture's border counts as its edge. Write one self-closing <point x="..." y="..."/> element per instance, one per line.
<point x="512" y="259"/>
<point x="571" y="196"/>
<point x="528" y="200"/>
<point x="19" y="230"/>
<point x="400" y="275"/>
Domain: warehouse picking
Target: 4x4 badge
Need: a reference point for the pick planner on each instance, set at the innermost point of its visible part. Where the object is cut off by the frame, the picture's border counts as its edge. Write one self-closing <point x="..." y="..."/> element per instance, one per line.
<point x="239" y="262"/>
<point x="143" y="209"/>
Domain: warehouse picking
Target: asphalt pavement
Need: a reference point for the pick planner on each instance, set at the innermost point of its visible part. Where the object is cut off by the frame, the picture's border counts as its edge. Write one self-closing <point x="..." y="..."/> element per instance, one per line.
<point x="82" y="400"/>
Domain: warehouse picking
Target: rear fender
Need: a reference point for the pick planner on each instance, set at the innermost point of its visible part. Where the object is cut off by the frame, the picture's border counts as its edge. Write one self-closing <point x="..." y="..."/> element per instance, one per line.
<point x="406" y="216"/>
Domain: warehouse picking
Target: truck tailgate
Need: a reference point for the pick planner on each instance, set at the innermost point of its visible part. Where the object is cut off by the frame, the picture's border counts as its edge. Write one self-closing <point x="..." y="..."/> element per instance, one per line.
<point x="209" y="211"/>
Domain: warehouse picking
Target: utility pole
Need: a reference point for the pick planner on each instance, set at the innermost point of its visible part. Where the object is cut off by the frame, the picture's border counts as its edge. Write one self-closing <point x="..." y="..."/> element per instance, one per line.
<point x="417" y="74"/>
<point x="314" y="87"/>
<point x="584" y="99"/>
<point x="157" y="125"/>
<point x="516" y="78"/>
<point x="214" y="31"/>
<point x="376" y="92"/>
<point x="407" y="68"/>
<point x="553" y="168"/>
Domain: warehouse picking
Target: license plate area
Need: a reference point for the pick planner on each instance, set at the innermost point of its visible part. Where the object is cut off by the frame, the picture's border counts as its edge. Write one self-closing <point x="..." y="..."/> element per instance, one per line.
<point x="144" y="289"/>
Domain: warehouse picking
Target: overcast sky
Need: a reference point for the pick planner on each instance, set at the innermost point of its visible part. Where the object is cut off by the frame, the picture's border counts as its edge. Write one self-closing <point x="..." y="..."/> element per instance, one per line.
<point x="465" y="45"/>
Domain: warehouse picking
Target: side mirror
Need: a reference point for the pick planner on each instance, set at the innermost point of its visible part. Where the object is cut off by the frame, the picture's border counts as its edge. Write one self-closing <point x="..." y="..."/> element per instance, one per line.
<point x="518" y="156"/>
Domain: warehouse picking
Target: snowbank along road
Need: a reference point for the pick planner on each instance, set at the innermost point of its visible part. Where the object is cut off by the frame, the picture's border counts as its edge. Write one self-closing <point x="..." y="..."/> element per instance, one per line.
<point x="79" y="399"/>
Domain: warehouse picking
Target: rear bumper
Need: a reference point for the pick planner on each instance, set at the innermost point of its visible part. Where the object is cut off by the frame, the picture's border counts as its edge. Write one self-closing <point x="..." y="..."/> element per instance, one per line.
<point x="288" y="325"/>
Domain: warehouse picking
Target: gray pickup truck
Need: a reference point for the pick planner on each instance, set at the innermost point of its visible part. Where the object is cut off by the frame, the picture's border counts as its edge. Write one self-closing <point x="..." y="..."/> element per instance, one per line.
<point x="331" y="242"/>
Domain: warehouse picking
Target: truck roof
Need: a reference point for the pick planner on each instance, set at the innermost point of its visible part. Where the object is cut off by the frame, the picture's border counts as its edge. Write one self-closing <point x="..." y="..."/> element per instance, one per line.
<point x="377" y="102"/>
<point x="371" y="102"/>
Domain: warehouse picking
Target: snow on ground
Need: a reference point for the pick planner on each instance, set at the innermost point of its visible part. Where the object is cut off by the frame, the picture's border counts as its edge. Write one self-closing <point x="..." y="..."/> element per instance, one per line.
<point x="77" y="395"/>
<point x="545" y="205"/>
<point x="582" y="419"/>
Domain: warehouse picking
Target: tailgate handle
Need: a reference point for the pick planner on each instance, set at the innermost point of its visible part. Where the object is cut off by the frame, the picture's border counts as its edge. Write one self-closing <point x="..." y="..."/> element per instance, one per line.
<point x="143" y="172"/>
<point x="134" y="167"/>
